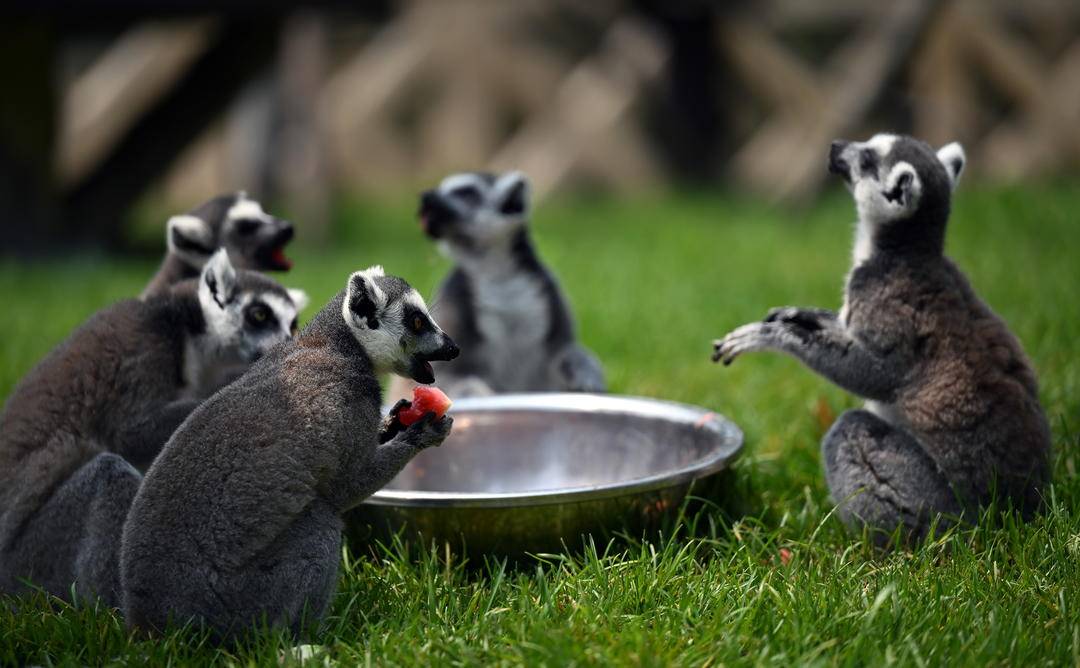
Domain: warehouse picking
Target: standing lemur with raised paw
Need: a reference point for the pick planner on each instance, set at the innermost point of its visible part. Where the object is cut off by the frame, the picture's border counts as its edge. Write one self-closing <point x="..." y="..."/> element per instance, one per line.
<point x="77" y="430"/>
<point x="952" y="420"/>
<point x="238" y="521"/>
<point x="235" y="222"/>
<point x="501" y="304"/>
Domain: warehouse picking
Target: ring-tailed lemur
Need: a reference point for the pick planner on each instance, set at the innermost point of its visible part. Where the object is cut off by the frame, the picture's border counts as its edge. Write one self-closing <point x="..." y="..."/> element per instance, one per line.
<point x="238" y="521"/>
<point x="500" y="302"/>
<point x="80" y="426"/>
<point x="952" y="419"/>
<point x="254" y="239"/>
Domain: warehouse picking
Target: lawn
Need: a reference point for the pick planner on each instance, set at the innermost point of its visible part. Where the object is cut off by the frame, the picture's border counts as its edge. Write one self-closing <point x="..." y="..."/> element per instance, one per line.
<point x="653" y="281"/>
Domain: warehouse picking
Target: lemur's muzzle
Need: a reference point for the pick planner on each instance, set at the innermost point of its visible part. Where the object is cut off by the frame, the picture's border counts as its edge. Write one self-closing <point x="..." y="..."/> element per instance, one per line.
<point x="436" y="215"/>
<point x="272" y="254"/>
<point x="837" y="165"/>
<point x="421" y="370"/>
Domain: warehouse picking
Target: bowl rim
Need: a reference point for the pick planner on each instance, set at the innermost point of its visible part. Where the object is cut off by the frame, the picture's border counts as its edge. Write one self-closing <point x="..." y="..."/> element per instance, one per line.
<point x="727" y="432"/>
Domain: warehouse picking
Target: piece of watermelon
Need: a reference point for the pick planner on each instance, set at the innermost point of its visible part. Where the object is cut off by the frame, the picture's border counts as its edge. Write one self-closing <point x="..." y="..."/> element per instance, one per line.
<point x="425" y="400"/>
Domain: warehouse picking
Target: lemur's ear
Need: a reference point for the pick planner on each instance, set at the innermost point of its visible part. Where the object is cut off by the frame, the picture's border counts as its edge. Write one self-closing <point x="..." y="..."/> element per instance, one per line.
<point x="952" y="156"/>
<point x="515" y="192"/>
<point x="902" y="186"/>
<point x="189" y="237"/>
<point x="299" y="298"/>
<point x="364" y="299"/>
<point x="219" y="278"/>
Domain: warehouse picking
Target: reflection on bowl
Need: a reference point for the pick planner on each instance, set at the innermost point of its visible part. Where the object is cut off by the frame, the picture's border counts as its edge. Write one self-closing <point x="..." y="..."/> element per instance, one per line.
<point x="532" y="472"/>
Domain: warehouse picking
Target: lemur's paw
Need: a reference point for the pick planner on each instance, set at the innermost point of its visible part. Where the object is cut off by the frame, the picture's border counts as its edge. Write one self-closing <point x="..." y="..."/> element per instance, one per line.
<point x="392" y="425"/>
<point x="748" y="338"/>
<point x="429" y="431"/>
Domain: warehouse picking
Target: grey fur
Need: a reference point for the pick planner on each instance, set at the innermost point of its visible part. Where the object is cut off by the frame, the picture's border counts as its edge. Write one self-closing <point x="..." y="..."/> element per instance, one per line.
<point x="77" y="430"/>
<point x="250" y="247"/>
<point x="953" y="422"/>
<point x="500" y="302"/>
<point x="238" y="520"/>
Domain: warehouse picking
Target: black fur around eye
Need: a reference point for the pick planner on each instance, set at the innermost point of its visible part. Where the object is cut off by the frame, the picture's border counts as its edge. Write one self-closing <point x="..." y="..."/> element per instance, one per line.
<point x="259" y="316"/>
<point x="468" y="194"/>
<point x="246" y="227"/>
<point x="868" y="161"/>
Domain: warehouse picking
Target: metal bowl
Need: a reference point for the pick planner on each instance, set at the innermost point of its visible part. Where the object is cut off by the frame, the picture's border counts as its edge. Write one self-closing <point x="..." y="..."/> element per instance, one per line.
<point x="529" y="473"/>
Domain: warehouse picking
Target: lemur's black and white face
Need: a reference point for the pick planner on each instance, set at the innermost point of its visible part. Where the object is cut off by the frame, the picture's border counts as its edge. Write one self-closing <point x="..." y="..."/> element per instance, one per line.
<point x="391" y="321"/>
<point x="254" y="238"/>
<point x="472" y="211"/>
<point x="245" y="312"/>
<point x="892" y="176"/>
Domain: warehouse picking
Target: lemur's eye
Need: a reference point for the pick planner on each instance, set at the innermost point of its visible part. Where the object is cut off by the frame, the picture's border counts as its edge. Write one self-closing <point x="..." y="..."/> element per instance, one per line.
<point x="293" y="326"/>
<point x="417" y="324"/>
<point x="258" y="315"/>
<point x="467" y="194"/>
<point x="246" y="226"/>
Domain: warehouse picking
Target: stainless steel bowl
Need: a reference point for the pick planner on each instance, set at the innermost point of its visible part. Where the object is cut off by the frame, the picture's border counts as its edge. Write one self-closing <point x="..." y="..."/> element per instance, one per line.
<point x="533" y="472"/>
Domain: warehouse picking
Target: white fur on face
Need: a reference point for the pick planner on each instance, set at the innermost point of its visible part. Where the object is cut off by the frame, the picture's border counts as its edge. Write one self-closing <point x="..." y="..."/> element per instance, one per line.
<point x="882" y="143"/>
<point x="193" y="228"/>
<point x="247" y="209"/>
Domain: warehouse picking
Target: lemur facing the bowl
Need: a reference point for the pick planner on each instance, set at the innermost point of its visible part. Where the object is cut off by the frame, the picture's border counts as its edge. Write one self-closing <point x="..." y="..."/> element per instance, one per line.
<point x="77" y="430"/>
<point x="502" y="305"/>
<point x="238" y="521"/>
<point x="952" y="420"/>
<point x="254" y="239"/>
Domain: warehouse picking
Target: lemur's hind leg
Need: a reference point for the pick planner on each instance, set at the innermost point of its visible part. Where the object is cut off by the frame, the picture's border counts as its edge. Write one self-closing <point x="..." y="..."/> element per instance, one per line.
<point x="75" y="537"/>
<point x="882" y="478"/>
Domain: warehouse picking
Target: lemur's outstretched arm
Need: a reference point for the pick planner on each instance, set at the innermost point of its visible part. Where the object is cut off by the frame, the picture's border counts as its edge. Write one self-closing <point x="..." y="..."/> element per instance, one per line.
<point x="397" y="445"/>
<point x="809" y="318"/>
<point x="816" y="339"/>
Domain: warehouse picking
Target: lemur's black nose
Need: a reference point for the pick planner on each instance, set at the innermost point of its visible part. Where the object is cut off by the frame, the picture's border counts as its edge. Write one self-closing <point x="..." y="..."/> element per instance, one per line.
<point x="285" y="230"/>
<point x="427" y="200"/>
<point x="838" y="165"/>
<point x="450" y="349"/>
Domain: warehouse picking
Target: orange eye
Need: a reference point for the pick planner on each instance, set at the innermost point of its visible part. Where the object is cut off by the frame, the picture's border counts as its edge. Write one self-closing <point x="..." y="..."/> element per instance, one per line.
<point x="417" y="324"/>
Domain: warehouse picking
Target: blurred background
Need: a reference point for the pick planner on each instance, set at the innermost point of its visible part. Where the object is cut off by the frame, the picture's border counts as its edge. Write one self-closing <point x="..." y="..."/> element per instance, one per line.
<point x="115" y="112"/>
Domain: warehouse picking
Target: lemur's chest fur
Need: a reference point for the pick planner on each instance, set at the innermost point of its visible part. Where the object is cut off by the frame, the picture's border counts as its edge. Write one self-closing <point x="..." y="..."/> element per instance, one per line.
<point x="513" y="319"/>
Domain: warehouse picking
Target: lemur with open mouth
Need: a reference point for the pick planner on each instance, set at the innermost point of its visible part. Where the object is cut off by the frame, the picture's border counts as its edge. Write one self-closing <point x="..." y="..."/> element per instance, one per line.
<point x="254" y="239"/>
<point x="78" y="429"/>
<point x="238" y="521"/>
<point x="502" y="305"/>
<point x="952" y="420"/>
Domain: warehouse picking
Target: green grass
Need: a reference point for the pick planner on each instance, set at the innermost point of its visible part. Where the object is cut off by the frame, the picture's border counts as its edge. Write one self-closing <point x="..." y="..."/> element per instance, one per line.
<point x="653" y="281"/>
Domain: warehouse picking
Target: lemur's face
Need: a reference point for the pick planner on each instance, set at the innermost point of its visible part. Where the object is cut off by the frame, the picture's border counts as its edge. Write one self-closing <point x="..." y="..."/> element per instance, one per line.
<point x="390" y="319"/>
<point x="246" y="313"/>
<point x="473" y="211"/>
<point x="890" y="175"/>
<point x="254" y="238"/>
